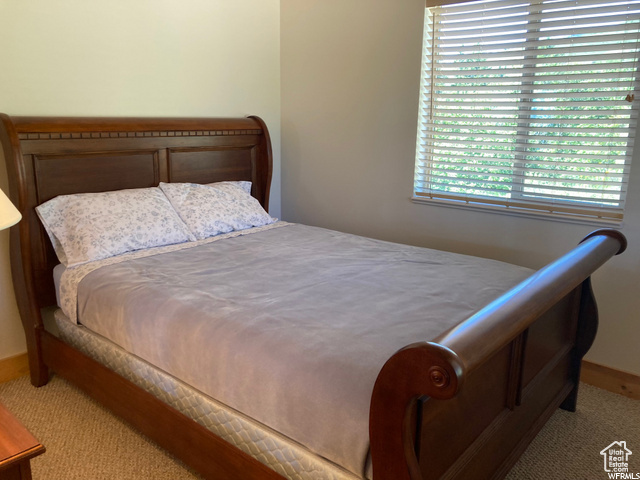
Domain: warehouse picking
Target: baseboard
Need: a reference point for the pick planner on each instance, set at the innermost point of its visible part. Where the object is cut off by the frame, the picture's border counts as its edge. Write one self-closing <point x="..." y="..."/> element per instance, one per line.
<point x="14" y="367"/>
<point x="612" y="380"/>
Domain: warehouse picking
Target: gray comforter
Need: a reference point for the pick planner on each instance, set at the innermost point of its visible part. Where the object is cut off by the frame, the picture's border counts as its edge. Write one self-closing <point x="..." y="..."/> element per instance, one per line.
<point x="289" y="326"/>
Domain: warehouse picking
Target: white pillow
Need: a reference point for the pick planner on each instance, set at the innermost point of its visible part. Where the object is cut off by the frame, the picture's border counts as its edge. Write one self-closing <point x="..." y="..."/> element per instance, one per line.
<point x="245" y="185"/>
<point x="92" y="226"/>
<point x="211" y="210"/>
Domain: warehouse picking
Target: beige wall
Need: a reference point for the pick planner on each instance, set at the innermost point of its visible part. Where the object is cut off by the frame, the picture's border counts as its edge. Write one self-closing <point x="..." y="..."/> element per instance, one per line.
<point x="135" y="58"/>
<point x="350" y="77"/>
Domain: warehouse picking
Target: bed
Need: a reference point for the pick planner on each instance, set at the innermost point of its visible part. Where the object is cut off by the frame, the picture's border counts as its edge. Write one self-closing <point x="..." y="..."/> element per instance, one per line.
<point x="460" y="402"/>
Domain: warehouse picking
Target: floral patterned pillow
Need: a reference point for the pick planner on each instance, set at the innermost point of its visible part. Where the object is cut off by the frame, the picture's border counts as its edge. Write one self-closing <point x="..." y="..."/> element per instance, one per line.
<point x="245" y="185"/>
<point x="211" y="210"/>
<point x="92" y="226"/>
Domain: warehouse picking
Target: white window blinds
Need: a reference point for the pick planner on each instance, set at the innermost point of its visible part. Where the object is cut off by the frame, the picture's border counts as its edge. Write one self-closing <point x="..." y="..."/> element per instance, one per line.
<point x="528" y="105"/>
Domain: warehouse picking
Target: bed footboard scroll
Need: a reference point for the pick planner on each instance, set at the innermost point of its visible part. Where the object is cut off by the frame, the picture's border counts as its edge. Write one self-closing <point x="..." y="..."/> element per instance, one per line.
<point x="440" y="376"/>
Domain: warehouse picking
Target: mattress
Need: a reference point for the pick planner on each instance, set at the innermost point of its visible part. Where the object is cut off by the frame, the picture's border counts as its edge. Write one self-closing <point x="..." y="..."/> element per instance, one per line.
<point x="289" y="326"/>
<point x="278" y="452"/>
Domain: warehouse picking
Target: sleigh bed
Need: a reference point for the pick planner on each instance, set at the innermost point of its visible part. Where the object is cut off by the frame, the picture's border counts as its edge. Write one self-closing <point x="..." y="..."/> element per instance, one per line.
<point x="462" y="402"/>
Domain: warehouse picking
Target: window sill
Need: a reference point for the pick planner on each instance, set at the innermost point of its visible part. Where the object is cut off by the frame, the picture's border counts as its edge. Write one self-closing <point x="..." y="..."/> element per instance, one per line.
<point x="519" y="212"/>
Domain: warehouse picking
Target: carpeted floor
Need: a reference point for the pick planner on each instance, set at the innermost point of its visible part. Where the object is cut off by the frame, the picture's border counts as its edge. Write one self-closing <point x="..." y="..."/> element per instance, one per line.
<point x="85" y="442"/>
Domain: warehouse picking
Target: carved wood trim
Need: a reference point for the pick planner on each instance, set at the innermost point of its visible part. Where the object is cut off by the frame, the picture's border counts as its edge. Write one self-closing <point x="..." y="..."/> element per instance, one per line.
<point x="94" y="135"/>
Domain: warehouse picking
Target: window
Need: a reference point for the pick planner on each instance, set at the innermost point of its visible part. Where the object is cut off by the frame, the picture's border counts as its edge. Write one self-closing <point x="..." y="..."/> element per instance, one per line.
<point x="529" y="106"/>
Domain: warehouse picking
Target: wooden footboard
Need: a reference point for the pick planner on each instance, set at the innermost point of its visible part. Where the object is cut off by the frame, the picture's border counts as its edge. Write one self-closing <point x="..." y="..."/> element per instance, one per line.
<point x="468" y="404"/>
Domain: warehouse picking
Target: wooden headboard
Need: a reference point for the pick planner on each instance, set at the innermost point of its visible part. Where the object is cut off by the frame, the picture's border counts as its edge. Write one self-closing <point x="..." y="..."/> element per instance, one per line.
<point x="51" y="156"/>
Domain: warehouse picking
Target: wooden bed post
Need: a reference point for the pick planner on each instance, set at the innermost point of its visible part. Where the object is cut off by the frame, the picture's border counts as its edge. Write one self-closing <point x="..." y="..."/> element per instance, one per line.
<point x="20" y="241"/>
<point x="29" y="314"/>
<point x="587" y="324"/>
<point x="265" y="168"/>
<point x="585" y="335"/>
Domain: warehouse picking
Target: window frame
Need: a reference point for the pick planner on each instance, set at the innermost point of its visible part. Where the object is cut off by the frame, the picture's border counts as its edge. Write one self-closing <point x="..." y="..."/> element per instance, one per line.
<point x="565" y="210"/>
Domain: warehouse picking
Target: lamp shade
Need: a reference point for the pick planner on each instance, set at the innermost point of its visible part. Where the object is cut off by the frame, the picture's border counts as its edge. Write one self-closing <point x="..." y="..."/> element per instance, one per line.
<point x="9" y="215"/>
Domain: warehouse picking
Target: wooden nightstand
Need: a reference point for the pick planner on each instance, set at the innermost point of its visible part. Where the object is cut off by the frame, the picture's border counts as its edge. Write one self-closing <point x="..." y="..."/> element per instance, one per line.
<point x="17" y="447"/>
